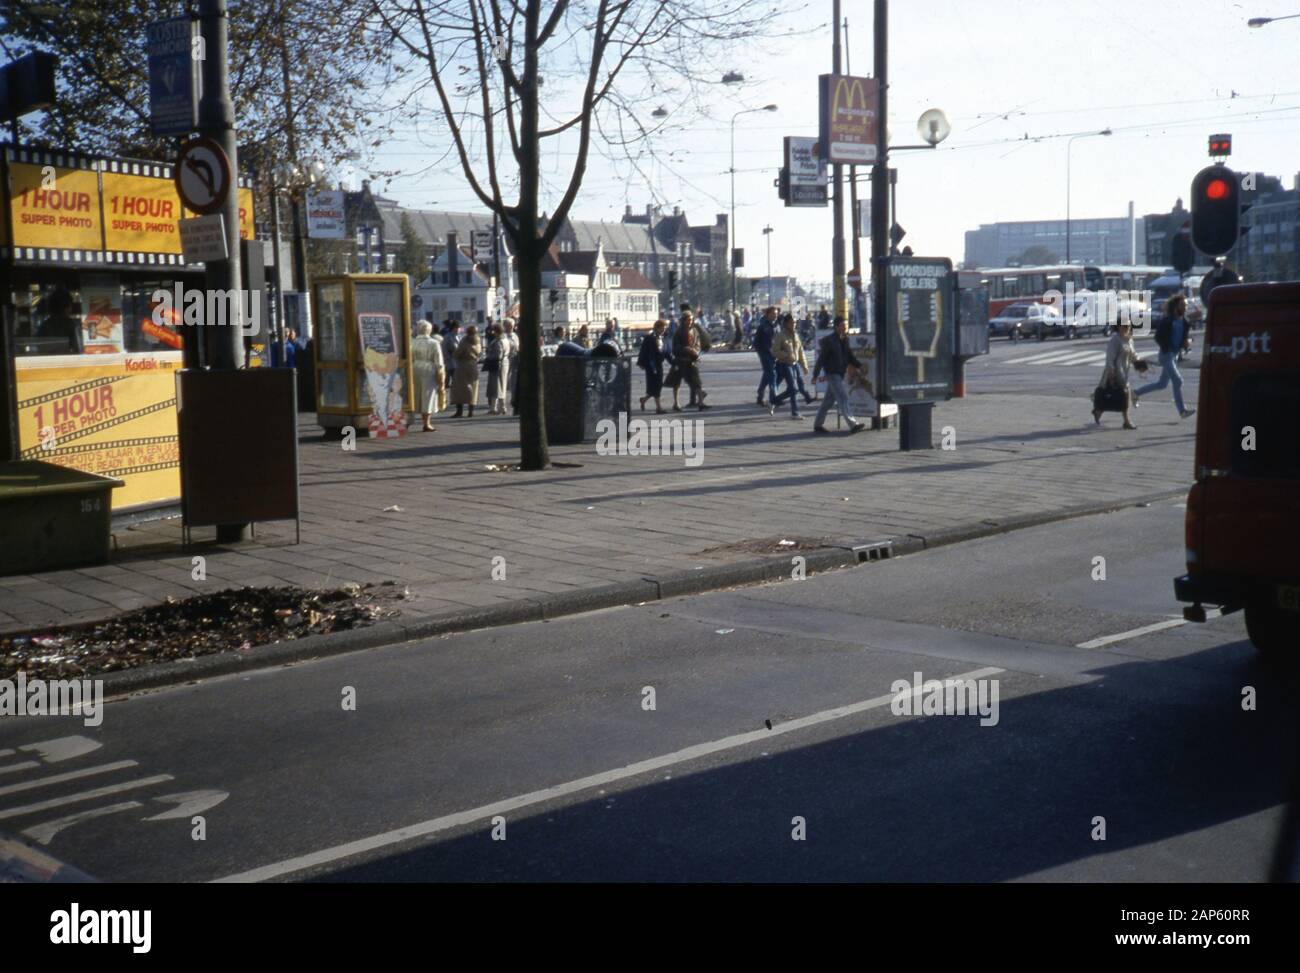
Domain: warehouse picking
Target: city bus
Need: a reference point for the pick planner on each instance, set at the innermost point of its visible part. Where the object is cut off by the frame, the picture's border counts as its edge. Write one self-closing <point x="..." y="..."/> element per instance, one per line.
<point x="1009" y="285"/>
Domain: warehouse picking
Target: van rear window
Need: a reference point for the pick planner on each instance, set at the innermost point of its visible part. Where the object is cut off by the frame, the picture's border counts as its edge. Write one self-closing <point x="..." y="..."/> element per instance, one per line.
<point x="1270" y="404"/>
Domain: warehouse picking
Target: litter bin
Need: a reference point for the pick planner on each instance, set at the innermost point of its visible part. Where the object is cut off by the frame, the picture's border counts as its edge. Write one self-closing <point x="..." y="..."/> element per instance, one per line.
<point x="580" y="391"/>
<point x="53" y="517"/>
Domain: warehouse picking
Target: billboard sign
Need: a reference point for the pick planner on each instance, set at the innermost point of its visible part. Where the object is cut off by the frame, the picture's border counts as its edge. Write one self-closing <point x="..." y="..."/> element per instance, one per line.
<point x="173" y="76"/>
<point x="481" y="241"/>
<point x="849" y="112"/>
<point x="917" y="343"/>
<point x="325" y="218"/>
<point x="807" y="172"/>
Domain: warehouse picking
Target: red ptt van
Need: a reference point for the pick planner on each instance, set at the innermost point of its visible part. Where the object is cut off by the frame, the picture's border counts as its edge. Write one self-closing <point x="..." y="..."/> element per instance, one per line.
<point x="1243" y="513"/>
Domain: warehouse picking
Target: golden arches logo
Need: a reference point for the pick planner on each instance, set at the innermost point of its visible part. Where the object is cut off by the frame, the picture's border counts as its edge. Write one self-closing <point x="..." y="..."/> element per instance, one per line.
<point x="848" y="91"/>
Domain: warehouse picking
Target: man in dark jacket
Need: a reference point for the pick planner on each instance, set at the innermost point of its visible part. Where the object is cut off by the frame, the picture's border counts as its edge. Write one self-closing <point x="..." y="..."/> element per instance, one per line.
<point x="763" y="335"/>
<point x="835" y="357"/>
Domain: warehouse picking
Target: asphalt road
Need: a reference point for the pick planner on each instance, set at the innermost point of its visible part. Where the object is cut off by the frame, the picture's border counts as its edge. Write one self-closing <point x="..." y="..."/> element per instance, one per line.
<point x="545" y="726"/>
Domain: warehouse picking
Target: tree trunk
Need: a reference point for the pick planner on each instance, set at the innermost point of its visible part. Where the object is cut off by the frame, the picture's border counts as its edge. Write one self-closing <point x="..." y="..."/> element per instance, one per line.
<point x="533" y="451"/>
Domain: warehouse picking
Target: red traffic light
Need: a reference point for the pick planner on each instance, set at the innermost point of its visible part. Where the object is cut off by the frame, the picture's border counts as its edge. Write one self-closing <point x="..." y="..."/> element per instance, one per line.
<point x="1220" y="145"/>
<point x="1216" y="189"/>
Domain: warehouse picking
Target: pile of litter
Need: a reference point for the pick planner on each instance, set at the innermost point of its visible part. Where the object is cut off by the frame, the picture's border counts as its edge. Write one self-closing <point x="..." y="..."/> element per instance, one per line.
<point x="233" y="620"/>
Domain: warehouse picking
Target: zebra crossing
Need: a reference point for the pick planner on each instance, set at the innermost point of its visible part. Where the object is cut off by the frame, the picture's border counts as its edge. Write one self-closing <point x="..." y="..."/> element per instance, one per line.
<point x="1071" y="358"/>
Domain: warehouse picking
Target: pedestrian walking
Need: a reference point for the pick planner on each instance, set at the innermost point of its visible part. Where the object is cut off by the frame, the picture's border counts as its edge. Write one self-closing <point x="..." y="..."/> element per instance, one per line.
<point x="584" y="337"/>
<point x="737" y="329"/>
<point x="464" y="381"/>
<point x="496" y="362"/>
<point x="512" y="384"/>
<point x="763" y="335"/>
<point x="428" y="372"/>
<point x="1172" y="339"/>
<point x="787" y="349"/>
<point x="686" y="357"/>
<point x="450" y="339"/>
<point x="1113" y="393"/>
<point x="651" y="359"/>
<point x="835" y="358"/>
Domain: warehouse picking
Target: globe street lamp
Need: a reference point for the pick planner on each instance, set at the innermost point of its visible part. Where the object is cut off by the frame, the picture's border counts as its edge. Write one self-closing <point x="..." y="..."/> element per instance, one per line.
<point x="1069" y="142"/>
<point x="732" y="255"/>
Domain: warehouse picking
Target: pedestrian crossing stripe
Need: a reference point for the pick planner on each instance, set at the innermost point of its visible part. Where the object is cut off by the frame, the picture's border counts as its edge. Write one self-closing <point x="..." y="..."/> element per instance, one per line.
<point x="1061" y="358"/>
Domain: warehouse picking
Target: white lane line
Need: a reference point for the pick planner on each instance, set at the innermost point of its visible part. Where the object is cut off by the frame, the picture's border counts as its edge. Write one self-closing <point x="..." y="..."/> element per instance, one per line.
<point x="45" y="832"/>
<point x="16" y="812"/>
<point x="25" y="765"/>
<point x="434" y="825"/>
<point x="1132" y="633"/>
<point x="28" y="785"/>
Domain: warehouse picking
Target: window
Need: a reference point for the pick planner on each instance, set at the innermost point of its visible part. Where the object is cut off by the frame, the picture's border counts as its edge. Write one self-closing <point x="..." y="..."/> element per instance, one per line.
<point x="1269" y="402"/>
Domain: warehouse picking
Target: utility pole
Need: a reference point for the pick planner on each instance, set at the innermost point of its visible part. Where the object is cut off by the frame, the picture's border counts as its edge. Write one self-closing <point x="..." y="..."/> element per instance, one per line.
<point x="217" y="121"/>
<point x="299" y="241"/>
<point x="854" y="222"/>
<point x="837" y="174"/>
<point x="880" y="172"/>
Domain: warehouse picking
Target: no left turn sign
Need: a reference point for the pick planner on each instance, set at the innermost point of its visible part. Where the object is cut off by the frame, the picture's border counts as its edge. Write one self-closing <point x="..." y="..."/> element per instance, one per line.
<point x="203" y="175"/>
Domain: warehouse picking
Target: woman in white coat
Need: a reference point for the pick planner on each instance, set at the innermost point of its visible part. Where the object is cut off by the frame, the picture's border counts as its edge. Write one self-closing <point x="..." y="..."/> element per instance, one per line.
<point x="1120" y="357"/>
<point x="429" y="373"/>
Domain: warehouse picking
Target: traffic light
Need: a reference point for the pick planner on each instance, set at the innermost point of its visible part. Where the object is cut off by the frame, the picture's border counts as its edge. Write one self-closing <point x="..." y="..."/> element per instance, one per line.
<point x="1181" y="249"/>
<point x="783" y="185"/>
<point x="672" y="281"/>
<point x="555" y="295"/>
<point x="1216" y="210"/>
<point x="1220" y="146"/>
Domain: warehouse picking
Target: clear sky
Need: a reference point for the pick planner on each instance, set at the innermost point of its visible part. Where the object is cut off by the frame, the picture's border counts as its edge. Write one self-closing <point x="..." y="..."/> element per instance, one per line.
<point x="1163" y="75"/>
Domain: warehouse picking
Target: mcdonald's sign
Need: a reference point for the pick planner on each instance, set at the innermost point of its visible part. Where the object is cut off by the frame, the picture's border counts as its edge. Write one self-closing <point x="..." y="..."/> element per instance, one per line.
<point x="849" y="112"/>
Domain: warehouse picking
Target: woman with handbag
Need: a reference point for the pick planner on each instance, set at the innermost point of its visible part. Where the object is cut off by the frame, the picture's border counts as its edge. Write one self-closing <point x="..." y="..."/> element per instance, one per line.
<point x="1114" y="393"/>
<point x="464" y="380"/>
<point x="497" y="366"/>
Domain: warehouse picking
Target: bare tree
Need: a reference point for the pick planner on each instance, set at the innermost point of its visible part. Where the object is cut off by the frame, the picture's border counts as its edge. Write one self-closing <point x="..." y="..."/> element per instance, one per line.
<point x="489" y="62"/>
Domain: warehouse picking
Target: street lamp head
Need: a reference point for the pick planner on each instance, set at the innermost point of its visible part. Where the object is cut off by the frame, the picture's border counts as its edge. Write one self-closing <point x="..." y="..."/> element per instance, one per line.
<point x="1259" y="21"/>
<point x="733" y="77"/>
<point x="1104" y="131"/>
<point x="769" y="108"/>
<point x="660" y="112"/>
<point x="933" y="126"/>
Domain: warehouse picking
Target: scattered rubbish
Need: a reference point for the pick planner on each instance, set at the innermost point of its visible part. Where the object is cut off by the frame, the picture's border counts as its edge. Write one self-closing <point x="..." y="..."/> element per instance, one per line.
<point x="768" y="724"/>
<point x="844" y="498"/>
<point x="785" y="543"/>
<point x="591" y="508"/>
<point x="236" y="619"/>
<point x="394" y="509"/>
<point x="725" y="631"/>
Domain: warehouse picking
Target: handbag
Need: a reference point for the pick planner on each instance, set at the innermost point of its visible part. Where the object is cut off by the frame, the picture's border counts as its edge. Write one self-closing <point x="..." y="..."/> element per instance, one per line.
<point x="1110" y="395"/>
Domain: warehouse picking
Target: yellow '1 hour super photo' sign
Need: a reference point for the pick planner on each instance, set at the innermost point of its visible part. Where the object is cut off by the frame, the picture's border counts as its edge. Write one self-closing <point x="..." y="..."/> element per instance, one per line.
<point x="55" y="207"/>
<point x="115" y="417"/>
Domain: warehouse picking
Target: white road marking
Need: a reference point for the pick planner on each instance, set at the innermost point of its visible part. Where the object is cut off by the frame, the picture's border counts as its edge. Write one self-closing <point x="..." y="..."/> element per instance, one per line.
<point x="1040" y="358"/>
<point x="1083" y="358"/>
<point x="434" y="825"/>
<point x="1132" y="633"/>
<point x="63" y="748"/>
<point x="15" y="812"/>
<point x="25" y="765"/>
<point x="188" y="804"/>
<point x="28" y="785"/>
<point x="45" y="832"/>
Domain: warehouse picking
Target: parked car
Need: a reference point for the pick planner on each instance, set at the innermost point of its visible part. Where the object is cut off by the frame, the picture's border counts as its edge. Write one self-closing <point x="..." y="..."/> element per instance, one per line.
<point x="1025" y="320"/>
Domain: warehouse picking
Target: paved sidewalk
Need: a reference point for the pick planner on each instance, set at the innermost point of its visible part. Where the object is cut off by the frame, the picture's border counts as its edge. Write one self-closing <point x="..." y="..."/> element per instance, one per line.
<point x="611" y="519"/>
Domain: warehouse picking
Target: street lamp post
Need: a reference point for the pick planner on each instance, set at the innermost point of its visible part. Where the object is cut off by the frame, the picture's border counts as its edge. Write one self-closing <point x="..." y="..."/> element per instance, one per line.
<point x="1069" y="142"/>
<point x="731" y="257"/>
<point x="767" y="232"/>
<point x="1262" y="21"/>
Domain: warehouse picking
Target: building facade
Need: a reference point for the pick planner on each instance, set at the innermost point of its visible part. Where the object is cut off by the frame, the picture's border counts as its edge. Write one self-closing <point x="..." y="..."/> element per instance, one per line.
<point x="1112" y="240"/>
